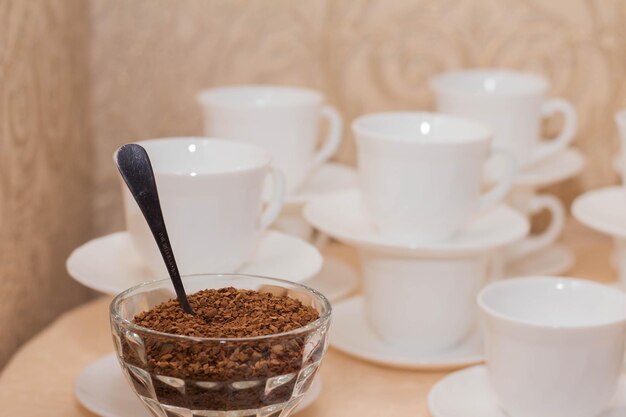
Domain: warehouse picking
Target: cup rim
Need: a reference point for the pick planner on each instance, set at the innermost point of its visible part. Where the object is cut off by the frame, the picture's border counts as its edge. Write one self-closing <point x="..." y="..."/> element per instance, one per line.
<point x="440" y="83"/>
<point x="534" y="325"/>
<point x="266" y="156"/>
<point x="212" y="96"/>
<point x="485" y="133"/>
<point x="324" y="317"/>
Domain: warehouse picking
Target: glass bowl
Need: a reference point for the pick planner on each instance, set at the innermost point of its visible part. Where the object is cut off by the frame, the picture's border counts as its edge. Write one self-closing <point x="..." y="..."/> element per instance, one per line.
<point x="235" y="377"/>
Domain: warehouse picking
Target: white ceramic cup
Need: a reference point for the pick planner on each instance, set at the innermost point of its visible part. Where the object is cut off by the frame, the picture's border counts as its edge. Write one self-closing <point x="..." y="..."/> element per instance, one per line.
<point x="528" y="202"/>
<point x="422" y="304"/>
<point x="421" y="173"/>
<point x="620" y="121"/>
<point x="554" y="346"/>
<point x="283" y="120"/>
<point x="211" y="196"/>
<point x="512" y="103"/>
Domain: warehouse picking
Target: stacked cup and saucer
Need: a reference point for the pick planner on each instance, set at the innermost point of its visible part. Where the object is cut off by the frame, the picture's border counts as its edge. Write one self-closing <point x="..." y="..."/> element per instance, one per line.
<point x="554" y="348"/>
<point x="604" y="209"/>
<point x="425" y="233"/>
<point x="513" y="104"/>
<point x="212" y="195"/>
<point x="285" y="121"/>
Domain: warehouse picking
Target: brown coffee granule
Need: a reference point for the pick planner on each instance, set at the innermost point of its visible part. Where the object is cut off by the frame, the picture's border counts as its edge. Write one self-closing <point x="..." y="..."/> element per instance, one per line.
<point x="225" y="374"/>
<point x="229" y="313"/>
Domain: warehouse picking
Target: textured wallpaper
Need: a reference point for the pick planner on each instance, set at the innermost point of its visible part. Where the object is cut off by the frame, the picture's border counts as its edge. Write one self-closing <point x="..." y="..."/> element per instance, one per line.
<point x="44" y="162"/>
<point x="80" y="77"/>
<point x="150" y="57"/>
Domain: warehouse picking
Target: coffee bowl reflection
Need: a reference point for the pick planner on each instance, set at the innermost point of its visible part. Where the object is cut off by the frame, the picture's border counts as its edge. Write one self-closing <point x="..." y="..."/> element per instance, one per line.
<point x="177" y="375"/>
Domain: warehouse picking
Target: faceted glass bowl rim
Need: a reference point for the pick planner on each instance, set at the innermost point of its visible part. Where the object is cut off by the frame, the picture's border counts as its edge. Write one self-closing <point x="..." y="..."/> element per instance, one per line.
<point x="324" y="315"/>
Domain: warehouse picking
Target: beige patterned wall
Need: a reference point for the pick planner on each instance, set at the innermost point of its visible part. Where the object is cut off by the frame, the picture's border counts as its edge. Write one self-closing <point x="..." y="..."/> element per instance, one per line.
<point x="45" y="158"/>
<point x="147" y="58"/>
<point x="150" y="57"/>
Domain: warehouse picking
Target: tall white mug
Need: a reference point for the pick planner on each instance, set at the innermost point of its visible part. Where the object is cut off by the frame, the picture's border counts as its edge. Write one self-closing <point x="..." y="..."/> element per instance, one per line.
<point x="283" y="120"/>
<point x="512" y="103"/>
<point x="211" y="196"/>
<point x="422" y="173"/>
<point x="554" y="346"/>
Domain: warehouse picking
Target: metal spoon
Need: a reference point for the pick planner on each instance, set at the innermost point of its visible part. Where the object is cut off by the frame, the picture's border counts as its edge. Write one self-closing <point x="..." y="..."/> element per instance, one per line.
<point x="134" y="165"/>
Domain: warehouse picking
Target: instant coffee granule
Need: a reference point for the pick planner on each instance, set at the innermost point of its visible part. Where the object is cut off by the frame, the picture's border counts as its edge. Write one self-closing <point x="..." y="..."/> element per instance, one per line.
<point x="223" y="374"/>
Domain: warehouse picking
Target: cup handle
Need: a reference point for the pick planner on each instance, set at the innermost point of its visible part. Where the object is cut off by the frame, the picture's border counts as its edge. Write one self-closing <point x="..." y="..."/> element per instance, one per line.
<point x="333" y="140"/>
<point x="562" y="141"/>
<point x="534" y="244"/>
<point x="275" y="205"/>
<point x="500" y="190"/>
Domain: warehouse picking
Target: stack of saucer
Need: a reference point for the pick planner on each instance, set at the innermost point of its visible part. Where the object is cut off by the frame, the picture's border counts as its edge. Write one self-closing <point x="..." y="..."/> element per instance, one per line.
<point x="425" y="236"/>
<point x="604" y="210"/>
<point x="513" y="104"/>
<point x="211" y="192"/>
<point x="285" y="122"/>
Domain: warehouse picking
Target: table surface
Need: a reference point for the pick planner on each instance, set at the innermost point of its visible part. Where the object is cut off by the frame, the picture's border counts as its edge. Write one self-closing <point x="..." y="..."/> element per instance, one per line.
<point x="38" y="381"/>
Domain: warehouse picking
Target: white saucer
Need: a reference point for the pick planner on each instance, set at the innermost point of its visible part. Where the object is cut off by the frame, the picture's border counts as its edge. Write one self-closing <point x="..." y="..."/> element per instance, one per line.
<point x="336" y="280"/>
<point x="603" y="210"/>
<point x="329" y="178"/>
<point x="102" y="389"/>
<point x="468" y="393"/>
<point x="351" y="334"/>
<point x="110" y="264"/>
<point x="342" y="216"/>
<point x="555" y="260"/>
<point x="565" y="164"/>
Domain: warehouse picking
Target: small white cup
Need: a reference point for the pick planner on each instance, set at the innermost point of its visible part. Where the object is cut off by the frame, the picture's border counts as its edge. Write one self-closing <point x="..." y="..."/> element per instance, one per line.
<point x="211" y="196"/>
<point x="282" y="120"/>
<point x="422" y="304"/>
<point x="421" y="173"/>
<point x="527" y="201"/>
<point x="554" y="346"/>
<point x="512" y="103"/>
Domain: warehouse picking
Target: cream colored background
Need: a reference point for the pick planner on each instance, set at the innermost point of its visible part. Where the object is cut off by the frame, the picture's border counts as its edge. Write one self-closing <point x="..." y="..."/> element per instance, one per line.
<point x="147" y="58"/>
<point x="45" y="159"/>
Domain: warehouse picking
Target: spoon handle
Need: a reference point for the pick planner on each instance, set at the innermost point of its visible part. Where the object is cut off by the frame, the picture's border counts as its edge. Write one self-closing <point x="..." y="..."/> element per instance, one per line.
<point x="134" y="165"/>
